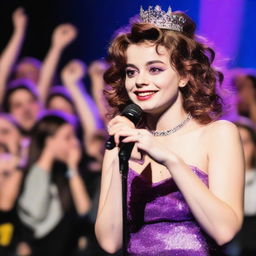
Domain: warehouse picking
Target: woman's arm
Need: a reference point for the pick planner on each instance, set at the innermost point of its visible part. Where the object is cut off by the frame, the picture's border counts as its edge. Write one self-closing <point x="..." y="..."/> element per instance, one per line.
<point x="78" y="189"/>
<point x="109" y="222"/>
<point x="219" y="208"/>
<point x="62" y="36"/>
<point x="72" y="75"/>
<point x="96" y="71"/>
<point x="12" y="50"/>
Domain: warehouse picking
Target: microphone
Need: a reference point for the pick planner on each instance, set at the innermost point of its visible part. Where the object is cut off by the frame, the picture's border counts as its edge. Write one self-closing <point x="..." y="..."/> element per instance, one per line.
<point x="133" y="112"/>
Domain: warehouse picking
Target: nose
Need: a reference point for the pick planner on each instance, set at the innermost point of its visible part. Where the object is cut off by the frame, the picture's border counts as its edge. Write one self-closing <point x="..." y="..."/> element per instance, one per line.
<point x="141" y="79"/>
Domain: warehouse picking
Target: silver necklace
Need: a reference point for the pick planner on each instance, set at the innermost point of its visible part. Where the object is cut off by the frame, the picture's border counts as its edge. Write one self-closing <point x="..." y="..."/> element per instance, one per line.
<point x="174" y="129"/>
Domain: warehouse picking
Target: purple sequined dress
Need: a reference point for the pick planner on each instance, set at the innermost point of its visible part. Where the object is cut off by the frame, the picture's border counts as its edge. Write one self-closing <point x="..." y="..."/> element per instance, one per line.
<point x="160" y="222"/>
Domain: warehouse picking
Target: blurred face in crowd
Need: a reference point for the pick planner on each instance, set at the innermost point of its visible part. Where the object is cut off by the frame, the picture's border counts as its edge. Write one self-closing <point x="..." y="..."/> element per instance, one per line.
<point x="246" y="92"/>
<point x="60" y="103"/>
<point x="248" y="146"/>
<point x="9" y="136"/>
<point x="24" y="107"/>
<point x="28" y="70"/>
<point x="64" y="140"/>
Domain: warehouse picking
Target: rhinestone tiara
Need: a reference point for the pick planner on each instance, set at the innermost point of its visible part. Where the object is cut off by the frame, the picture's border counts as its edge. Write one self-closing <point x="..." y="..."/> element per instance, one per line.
<point x="162" y="19"/>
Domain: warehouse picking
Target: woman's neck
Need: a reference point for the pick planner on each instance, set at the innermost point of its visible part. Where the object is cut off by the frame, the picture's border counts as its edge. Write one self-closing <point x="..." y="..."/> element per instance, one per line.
<point x="169" y="118"/>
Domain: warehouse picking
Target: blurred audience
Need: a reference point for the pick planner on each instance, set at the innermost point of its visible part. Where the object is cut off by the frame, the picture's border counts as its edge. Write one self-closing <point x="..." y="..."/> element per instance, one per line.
<point x="53" y="188"/>
<point x="244" y="243"/>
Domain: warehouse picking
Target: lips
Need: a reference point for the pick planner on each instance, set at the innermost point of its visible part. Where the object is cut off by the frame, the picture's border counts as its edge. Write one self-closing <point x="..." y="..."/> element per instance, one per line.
<point x="145" y="95"/>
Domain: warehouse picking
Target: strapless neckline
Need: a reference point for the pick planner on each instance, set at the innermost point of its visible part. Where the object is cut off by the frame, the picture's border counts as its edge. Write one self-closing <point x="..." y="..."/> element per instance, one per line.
<point x="170" y="179"/>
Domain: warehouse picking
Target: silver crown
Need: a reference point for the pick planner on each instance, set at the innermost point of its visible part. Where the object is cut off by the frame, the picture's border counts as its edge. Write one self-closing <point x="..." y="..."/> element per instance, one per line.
<point x="162" y="19"/>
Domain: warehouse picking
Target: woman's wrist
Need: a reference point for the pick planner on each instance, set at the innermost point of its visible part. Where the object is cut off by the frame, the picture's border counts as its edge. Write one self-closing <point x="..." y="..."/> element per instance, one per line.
<point x="171" y="161"/>
<point x="71" y="172"/>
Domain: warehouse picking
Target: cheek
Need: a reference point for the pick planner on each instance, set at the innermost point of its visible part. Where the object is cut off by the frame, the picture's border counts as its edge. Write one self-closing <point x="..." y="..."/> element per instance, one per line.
<point x="17" y="113"/>
<point x="249" y="150"/>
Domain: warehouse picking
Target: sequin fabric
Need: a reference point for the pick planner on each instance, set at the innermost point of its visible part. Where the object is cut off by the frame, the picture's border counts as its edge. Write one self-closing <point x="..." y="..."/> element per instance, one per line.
<point x="160" y="222"/>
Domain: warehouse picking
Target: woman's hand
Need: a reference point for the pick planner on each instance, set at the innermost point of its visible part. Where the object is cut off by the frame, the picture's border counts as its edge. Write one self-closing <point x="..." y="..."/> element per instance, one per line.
<point x="145" y="142"/>
<point x="63" y="35"/>
<point x="74" y="155"/>
<point x="73" y="72"/>
<point x="97" y="68"/>
<point x="118" y="123"/>
<point x="19" y="18"/>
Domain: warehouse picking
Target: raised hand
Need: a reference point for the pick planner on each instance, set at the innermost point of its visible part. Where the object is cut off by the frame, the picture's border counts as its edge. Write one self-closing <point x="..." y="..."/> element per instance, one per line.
<point x="63" y="35"/>
<point x="19" y="18"/>
<point x="97" y="68"/>
<point x="73" y="72"/>
<point x="74" y="155"/>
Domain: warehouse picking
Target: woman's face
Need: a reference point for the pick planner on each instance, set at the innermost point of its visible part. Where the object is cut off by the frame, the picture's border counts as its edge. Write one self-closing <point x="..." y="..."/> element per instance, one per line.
<point x="64" y="140"/>
<point x="28" y="70"/>
<point x="60" y="103"/>
<point x="9" y="135"/>
<point x="151" y="82"/>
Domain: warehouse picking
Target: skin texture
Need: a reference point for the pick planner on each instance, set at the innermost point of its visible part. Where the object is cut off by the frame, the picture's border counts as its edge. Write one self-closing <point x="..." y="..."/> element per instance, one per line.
<point x="214" y="148"/>
<point x="248" y="146"/>
<point x="12" y="50"/>
<point x="64" y="146"/>
<point x="60" y="103"/>
<point x="24" y="108"/>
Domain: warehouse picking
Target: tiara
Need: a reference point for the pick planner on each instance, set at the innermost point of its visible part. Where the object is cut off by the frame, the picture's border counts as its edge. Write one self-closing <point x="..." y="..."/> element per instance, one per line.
<point x="162" y="19"/>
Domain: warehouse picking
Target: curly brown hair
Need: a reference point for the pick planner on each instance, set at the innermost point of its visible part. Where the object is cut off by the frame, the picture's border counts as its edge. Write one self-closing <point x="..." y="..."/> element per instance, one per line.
<point x="190" y="57"/>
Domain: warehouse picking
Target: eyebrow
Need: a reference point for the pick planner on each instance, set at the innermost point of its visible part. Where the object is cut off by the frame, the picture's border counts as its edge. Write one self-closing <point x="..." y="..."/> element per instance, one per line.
<point x="147" y="64"/>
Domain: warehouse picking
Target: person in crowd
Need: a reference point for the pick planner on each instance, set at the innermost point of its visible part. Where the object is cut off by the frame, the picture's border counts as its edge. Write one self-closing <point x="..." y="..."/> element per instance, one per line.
<point x="53" y="188"/>
<point x="43" y="74"/>
<point x="95" y="72"/>
<point x="245" y="84"/>
<point x="186" y="172"/>
<point x="12" y="50"/>
<point x="72" y="75"/>
<point x="13" y="155"/>
<point x="244" y="242"/>
<point x="22" y="102"/>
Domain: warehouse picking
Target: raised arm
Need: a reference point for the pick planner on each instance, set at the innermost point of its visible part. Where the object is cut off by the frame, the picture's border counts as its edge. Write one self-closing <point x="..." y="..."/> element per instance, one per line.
<point x="77" y="186"/>
<point x="96" y="71"/>
<point x="72" y="76"/>
<point x="62" y="36"/>
<point x="12" y="50"/>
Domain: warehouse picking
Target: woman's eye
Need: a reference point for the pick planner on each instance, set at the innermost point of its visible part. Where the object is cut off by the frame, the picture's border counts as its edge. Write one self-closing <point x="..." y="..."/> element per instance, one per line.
<point x="155" y="70"/>
<point x="130" y="72"/>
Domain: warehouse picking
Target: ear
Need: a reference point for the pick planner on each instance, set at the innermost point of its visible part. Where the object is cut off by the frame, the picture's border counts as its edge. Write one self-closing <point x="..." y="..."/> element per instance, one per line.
<point x="183" y="82"/>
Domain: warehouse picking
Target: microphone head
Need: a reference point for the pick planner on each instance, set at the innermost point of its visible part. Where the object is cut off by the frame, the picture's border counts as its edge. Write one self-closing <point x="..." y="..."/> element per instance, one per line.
<point x="133" y="112"/>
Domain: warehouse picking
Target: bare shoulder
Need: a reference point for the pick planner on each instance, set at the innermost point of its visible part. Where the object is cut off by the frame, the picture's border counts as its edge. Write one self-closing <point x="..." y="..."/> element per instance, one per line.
<point x="221" y="130"/>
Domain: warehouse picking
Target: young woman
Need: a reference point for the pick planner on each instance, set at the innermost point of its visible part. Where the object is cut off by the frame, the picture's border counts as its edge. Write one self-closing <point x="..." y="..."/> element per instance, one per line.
<point x="185" y="182"/>
<point x="53" y="187"/>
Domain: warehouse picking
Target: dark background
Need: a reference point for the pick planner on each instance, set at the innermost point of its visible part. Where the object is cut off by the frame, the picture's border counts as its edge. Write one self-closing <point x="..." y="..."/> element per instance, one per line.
<point x="96" y="21"/>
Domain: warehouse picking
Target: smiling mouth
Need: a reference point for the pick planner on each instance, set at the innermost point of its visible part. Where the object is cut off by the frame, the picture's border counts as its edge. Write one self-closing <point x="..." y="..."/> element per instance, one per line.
<point x="144" y="95"/>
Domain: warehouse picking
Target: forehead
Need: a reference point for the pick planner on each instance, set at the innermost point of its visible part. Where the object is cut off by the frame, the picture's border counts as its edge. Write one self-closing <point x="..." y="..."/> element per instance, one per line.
<point x="21" y="95"/>
<point x="65" y="128"/>
<point x="58" y="99"/>
<point x="145" y="52"/>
